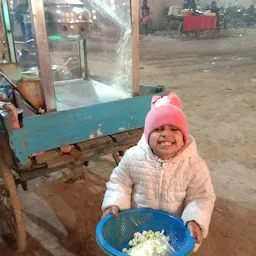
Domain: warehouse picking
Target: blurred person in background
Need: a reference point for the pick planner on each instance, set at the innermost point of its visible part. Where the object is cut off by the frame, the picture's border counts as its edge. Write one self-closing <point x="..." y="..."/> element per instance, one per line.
<point x="215" y="9"/>
<point x="22" y="16"/>
<point x="144" y="16"/>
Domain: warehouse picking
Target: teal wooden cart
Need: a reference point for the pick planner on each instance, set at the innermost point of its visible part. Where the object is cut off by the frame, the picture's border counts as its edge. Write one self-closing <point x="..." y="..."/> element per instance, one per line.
<point x="64" y="96"/>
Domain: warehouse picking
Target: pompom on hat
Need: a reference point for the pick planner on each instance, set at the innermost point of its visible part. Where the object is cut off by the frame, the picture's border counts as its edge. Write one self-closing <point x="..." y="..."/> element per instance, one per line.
<point x="166" y="110"/>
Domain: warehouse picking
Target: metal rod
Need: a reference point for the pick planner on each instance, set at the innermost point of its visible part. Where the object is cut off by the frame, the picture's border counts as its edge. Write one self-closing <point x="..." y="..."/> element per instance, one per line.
<point x="8" y="30"/>
<point x="83" y="59"/>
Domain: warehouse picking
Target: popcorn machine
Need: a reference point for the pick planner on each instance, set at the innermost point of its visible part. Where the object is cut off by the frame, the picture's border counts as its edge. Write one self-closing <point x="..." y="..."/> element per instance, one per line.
<point x="80" y="51"/>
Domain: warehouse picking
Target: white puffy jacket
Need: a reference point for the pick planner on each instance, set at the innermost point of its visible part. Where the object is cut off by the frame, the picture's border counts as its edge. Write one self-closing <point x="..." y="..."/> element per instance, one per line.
<point x="181" y="185"/>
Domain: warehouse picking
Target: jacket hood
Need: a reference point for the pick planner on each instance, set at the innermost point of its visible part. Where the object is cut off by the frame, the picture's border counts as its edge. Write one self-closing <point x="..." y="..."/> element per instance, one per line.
<point x="189" y="151"/>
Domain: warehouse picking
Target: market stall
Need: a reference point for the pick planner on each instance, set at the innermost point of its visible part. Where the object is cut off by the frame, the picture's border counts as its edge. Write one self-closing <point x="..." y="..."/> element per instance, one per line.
<point x="192" y="23"/>
<point x="185" y="21"/>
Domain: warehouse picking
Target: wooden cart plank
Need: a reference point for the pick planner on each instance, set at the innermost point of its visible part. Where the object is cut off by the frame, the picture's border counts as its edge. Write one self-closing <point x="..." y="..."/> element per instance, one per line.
<point x="45" y="132"/>
<point x="121" y="137"/>
<point x="135" y="48"/>
<point x="105" y="151"/>
<point x="87" y="149"/>
<point x="47" y="156"/>
<point x="60" y="161"/>
<point x="136" y="133"/>
<point x="91" y="144"/>
<point x="54" y="160"/>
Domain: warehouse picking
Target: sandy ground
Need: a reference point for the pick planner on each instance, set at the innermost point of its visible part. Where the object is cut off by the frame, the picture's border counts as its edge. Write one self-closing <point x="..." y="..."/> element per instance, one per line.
<point x="213" y="78"/>
<point x="76" y="203"/>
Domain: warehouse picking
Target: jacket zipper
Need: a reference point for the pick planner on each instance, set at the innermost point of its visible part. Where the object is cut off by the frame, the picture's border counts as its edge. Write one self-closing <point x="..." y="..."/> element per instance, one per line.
<point x="159" y="183"/>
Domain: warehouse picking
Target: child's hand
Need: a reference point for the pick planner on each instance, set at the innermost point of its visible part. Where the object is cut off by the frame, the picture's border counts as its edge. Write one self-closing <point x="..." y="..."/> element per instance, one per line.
<point x="195" y="231"/>
<point x="113" y="209"/>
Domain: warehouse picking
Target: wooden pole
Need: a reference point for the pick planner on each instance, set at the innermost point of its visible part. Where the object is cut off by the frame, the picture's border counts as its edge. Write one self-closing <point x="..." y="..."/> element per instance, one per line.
<point x="135" y="48"/>
<point x="17" y="224"/>
<point x="44" y="60"/>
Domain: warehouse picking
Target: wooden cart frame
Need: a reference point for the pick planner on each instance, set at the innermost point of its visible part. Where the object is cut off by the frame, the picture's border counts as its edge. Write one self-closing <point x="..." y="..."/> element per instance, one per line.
<point x="108" y="128"/>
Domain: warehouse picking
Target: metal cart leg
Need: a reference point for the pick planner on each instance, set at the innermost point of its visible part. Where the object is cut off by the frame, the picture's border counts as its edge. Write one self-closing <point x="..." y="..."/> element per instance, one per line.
<point x="170" y="26"/>
<point x="10" y="207"/>
<point x="24" y="185"/>
<point x="180" y="28"/>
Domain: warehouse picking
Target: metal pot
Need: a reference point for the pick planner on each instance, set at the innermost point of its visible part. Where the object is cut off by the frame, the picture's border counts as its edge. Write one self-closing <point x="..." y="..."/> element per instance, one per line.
<point x="67" y="18"/>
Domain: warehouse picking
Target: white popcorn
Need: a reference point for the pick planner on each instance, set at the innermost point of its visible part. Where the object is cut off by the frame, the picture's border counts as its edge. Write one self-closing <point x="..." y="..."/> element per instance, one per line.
<point x="147" y="244"/>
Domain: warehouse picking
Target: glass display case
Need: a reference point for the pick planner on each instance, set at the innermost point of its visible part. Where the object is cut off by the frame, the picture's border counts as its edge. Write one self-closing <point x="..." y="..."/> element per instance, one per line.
<point x="80" y="50"/>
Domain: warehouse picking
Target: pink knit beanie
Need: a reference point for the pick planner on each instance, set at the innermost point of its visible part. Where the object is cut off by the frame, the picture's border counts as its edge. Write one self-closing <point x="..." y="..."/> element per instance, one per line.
<point x="166" y="110"/>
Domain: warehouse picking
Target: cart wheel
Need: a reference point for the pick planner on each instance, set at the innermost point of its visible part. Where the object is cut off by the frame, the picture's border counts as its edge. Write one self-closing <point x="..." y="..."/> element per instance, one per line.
<point x="11" y="219"/>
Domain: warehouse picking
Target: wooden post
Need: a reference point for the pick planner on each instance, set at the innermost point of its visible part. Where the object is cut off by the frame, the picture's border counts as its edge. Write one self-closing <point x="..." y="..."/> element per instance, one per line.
<point x="16" y="224"/>
<point x="44" y="61"/>
<point x="135" y="48"/>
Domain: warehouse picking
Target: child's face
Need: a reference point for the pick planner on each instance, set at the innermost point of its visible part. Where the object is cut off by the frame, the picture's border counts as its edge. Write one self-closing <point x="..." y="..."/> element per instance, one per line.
<point x="166" y="141"/>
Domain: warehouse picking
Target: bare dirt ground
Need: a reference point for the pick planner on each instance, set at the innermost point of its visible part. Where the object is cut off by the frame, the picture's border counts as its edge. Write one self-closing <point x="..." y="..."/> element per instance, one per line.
<point x="213" y="78"/>
<point x="219" y="101"/>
